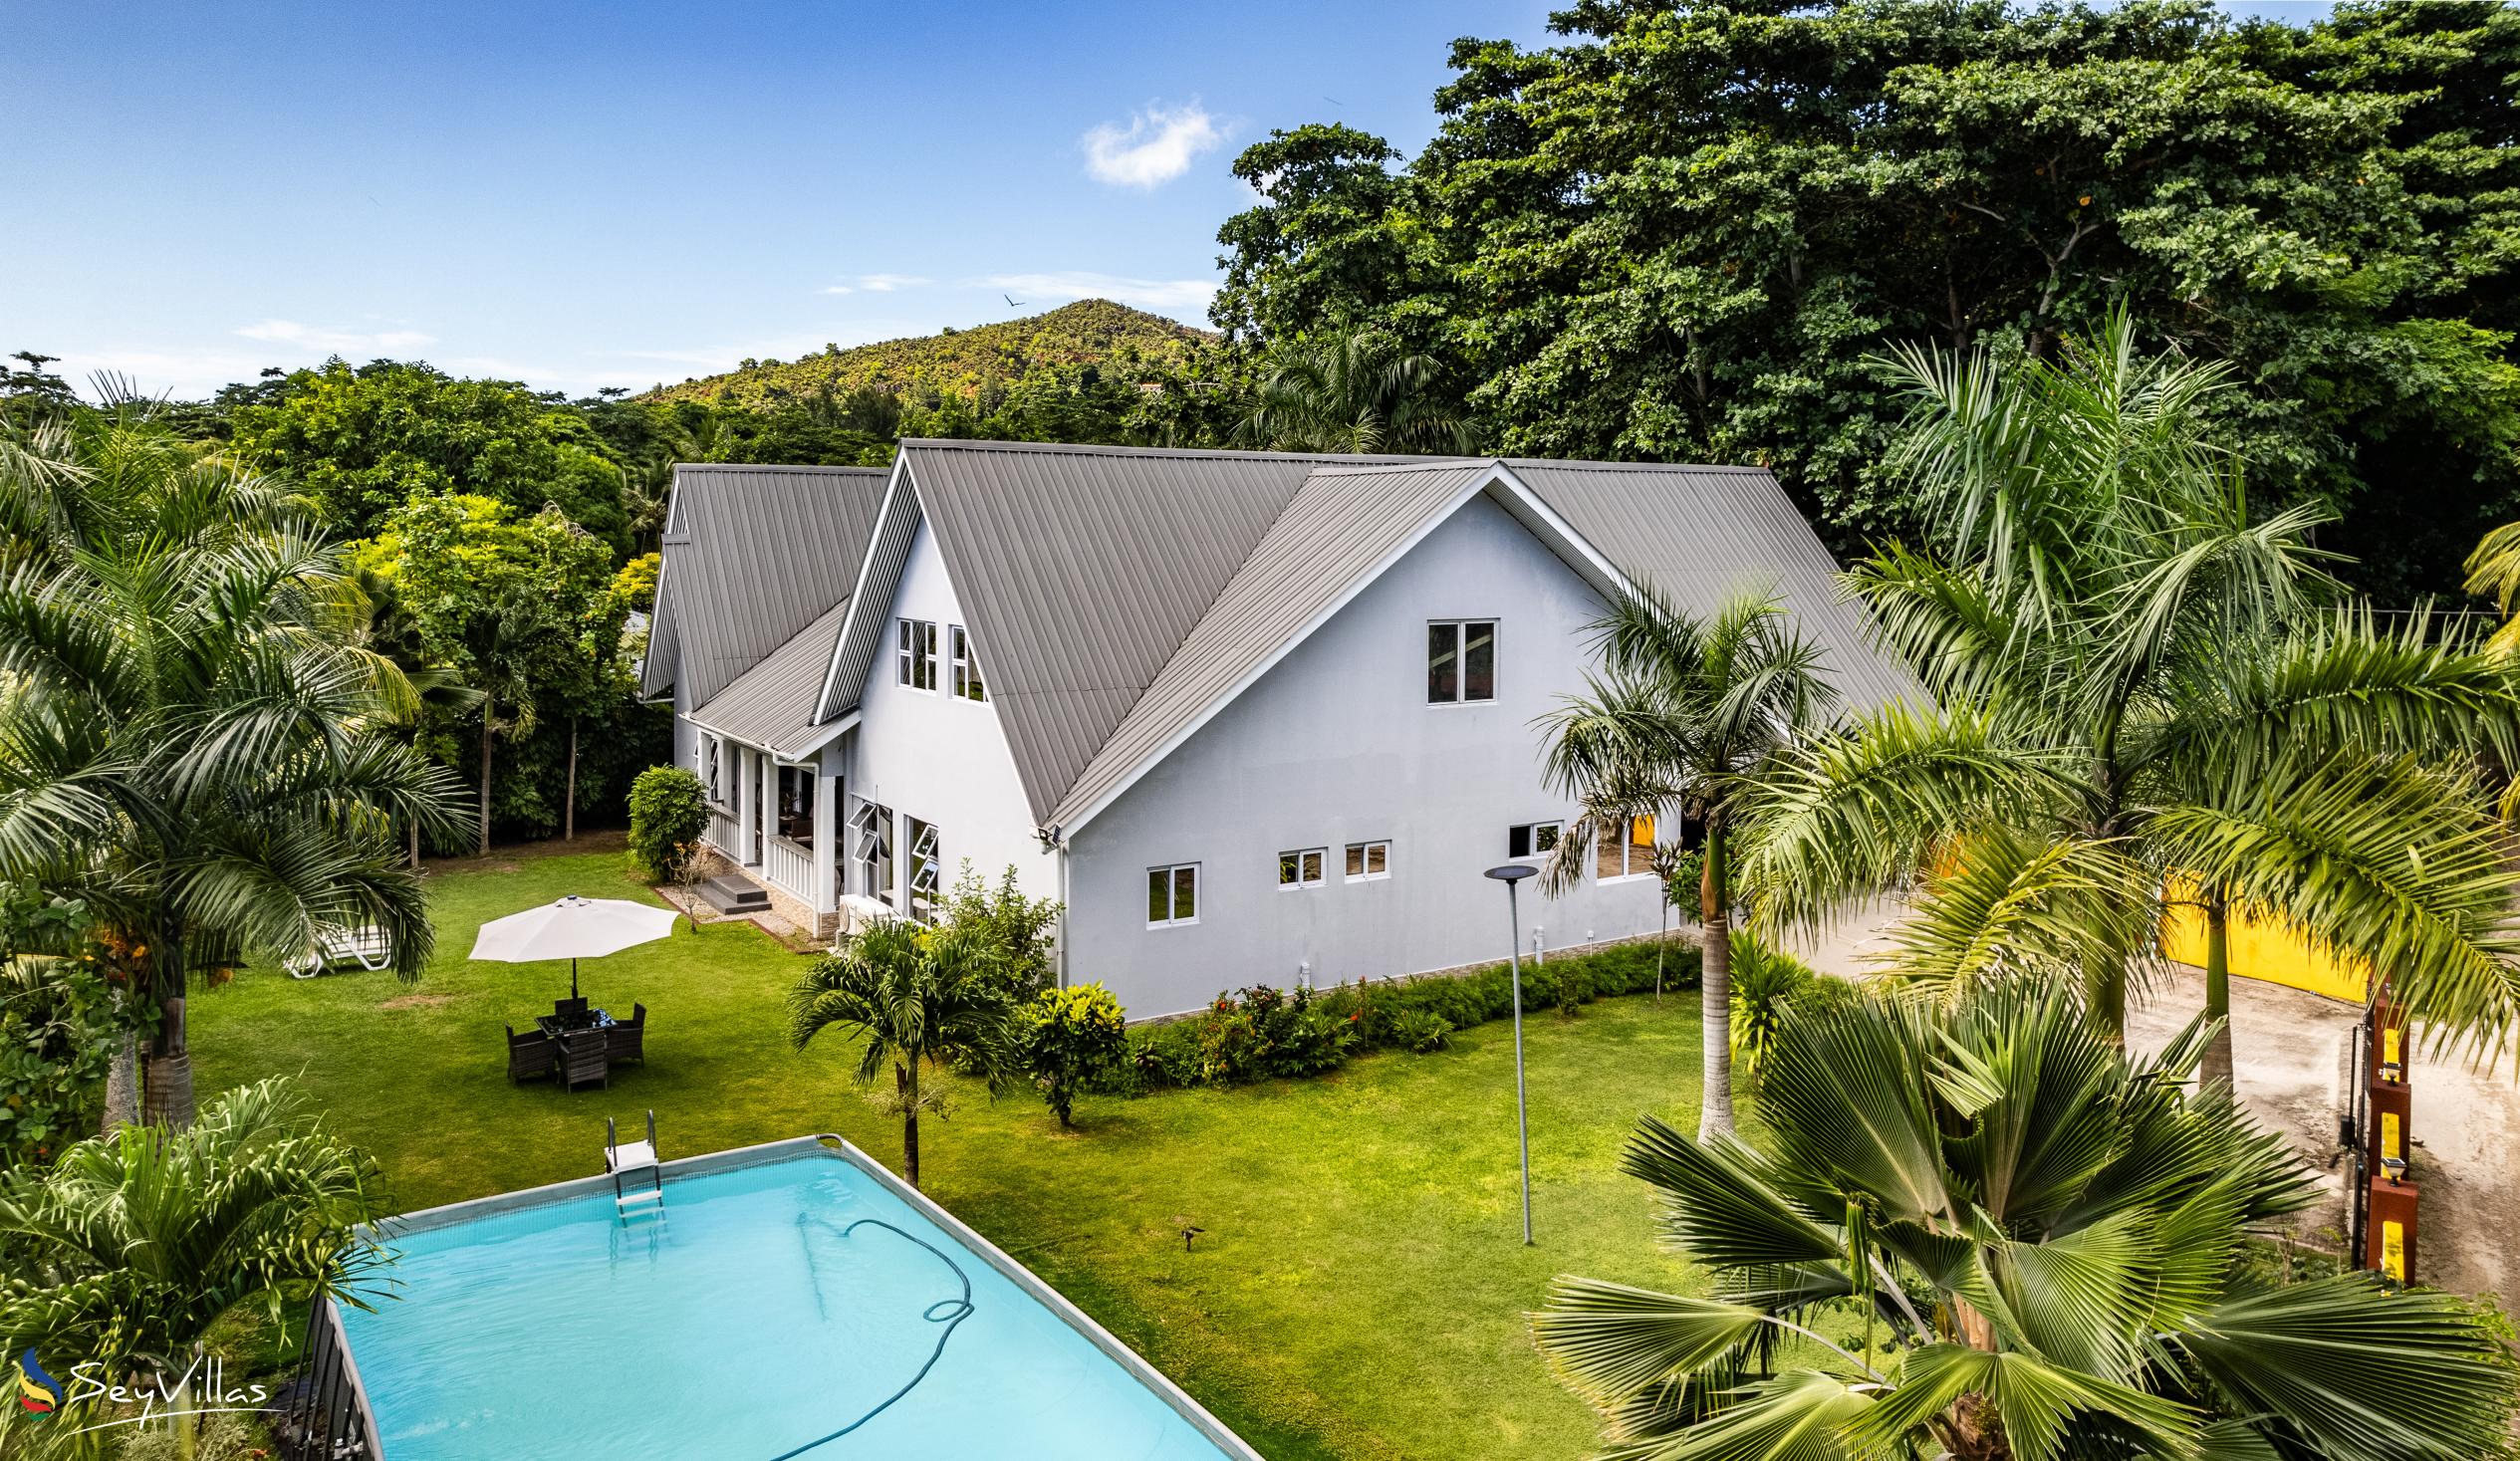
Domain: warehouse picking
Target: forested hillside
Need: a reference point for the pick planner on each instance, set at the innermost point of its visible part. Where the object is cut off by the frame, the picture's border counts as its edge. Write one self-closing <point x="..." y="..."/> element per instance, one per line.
<point x="958" y="362"/>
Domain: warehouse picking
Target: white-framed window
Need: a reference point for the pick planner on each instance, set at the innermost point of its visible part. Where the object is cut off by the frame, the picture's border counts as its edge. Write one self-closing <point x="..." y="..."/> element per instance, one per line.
<point x="914" y="652"/>
<point x="1461" y="661"/>
<point x="873" y="827"/>
<point x="1303" y="868"/>
<point x="966" y="679"/>
<point x="711" y="759"/>
<point x="926" y="864"/>
<point x="796" y="804"/>
<point x="1532" y="838"/>
<point x="1172" y="895"/>
<point x="1368" y="862"/>
<point x="1627" y="851"/>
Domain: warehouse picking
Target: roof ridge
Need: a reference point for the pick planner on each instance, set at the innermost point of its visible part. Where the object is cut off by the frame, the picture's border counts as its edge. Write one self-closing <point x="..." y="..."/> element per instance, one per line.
<point x="809" y="467"/>
<point x="1579" y="464"/>
<point x="1406" y="464"/>
<point x="1205" y="453"/>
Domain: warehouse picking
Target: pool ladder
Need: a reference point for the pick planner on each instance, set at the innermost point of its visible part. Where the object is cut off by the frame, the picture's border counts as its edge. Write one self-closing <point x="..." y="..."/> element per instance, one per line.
<point x="630" y="1159"/>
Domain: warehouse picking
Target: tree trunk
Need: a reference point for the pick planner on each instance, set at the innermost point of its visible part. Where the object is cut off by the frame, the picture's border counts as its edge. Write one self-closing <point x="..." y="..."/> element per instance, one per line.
<point x="167" y="1080"/>
<point x="569" y="803"/>
<point x="909" y="1085"/>
<point x="413" y="832"/>
<point x="123" y="1087"/>
<point x="482" y="841"/>
<point x="1714" y="904"/>
<point x="2216" y="1069"/>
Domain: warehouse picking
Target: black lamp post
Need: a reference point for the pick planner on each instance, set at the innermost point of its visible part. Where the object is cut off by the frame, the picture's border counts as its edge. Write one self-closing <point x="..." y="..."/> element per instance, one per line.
<point x="1509" y="875"/>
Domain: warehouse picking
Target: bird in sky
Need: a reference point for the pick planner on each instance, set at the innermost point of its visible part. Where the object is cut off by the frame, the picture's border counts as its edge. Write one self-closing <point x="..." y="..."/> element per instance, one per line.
<point x="1012" y="300"/>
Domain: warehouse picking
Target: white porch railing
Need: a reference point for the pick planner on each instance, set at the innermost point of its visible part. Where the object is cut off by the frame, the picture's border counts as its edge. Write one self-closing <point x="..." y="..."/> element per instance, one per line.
<point x="723" y="830"/>
<point x="791" y="867"/>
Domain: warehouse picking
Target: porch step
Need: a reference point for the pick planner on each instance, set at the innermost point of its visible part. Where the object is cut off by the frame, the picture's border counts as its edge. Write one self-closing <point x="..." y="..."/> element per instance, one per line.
<point x="729" y="894"/>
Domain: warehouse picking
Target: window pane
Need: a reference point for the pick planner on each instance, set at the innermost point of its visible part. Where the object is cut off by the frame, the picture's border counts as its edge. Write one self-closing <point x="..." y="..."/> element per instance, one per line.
<point x="1290" y="869"/>
<point x="1610" y="857"/>
<point x="1442" y="663"/>
<point x="1545" y="836"/>
<point x="1355" y="859"/>
<point x="1378" y="858"/>
<point x="1159" y="895"/>
<point x="1186" y="892"/>
<point x="1518" y="841"/>
<point x="1641" y="832"/>
<point x="1312" y="866"/>
<point x="1478" y="663"/>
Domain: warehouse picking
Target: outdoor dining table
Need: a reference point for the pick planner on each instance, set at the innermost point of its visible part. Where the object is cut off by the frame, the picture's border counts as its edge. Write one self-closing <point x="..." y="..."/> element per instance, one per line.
<point x="556" y="1024"/>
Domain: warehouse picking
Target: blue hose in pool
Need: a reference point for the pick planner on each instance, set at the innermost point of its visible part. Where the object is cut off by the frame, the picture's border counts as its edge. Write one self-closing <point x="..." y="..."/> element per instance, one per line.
<point x="946" y="1312"/>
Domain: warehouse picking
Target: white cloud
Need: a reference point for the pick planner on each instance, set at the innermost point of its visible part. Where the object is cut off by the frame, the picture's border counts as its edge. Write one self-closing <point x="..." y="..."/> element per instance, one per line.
<point x="877" y="283"/>
<point x="1156" y="147"/>
<point x="1167" y="295"/>
<point x="333" y="341"/>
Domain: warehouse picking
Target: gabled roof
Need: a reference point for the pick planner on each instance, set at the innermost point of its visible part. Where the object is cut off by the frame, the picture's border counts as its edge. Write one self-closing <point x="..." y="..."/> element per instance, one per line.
<point x="770" y="705"/>
<point x="752" y="556"/>
<point x="1118" y="597"/>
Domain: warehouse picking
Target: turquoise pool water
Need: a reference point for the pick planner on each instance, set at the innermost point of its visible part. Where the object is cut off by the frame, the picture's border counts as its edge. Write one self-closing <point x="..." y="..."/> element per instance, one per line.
<point x="754" y="1321"/>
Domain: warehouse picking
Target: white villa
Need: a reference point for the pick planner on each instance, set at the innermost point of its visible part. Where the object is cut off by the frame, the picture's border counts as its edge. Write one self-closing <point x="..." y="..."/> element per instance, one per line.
<point x="1250" y="717"/>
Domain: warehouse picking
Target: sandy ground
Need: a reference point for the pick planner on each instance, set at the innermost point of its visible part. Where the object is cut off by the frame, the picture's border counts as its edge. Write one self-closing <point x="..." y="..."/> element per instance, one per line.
<point x="2289" y="1051"/>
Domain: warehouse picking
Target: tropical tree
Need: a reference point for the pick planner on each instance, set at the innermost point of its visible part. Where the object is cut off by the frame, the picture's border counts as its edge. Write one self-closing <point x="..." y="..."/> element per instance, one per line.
<point x="132" y="1245"/>
<point x="194" y="745"/>
<point x="1685" y="716"/>
<point x="2145" y="692"/>
<point x="919" y="1000"/>
<point x="1355" y="389"/>
<point x="1982" y="1231"/>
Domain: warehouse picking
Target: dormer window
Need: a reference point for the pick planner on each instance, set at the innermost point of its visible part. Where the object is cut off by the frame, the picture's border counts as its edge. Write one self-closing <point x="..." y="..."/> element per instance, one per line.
<point x="1461" y="661"/>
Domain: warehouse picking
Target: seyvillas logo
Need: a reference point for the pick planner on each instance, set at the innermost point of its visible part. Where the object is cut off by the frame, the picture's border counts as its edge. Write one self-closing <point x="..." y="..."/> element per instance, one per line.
<point x="37" y="1391"/>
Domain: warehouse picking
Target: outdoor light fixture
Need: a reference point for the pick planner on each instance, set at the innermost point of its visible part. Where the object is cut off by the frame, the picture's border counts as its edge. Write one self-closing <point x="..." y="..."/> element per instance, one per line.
<point x="1509" y="875"/>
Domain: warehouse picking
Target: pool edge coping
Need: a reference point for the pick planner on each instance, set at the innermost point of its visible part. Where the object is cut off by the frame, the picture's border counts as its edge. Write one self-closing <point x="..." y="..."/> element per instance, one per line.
<point x="838" y="1148"/>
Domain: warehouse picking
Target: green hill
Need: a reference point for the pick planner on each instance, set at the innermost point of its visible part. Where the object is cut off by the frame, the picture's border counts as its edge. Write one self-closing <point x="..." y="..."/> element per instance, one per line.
<point x="958" y="361"/>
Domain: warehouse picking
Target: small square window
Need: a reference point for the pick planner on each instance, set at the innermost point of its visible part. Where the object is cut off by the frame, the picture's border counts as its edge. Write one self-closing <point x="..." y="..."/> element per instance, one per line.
<point x="914" y="653"/>
<point x="1625" y="855"/>
<point x="1172" y="894"/>
<point x="1368" y="860"/>
<point x="1532" y="838"/>
<point x="1302" y="869"/>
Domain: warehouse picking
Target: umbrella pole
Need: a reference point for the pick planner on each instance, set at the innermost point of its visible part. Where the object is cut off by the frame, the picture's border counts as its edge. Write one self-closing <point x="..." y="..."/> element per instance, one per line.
<point x="573" y="979"/>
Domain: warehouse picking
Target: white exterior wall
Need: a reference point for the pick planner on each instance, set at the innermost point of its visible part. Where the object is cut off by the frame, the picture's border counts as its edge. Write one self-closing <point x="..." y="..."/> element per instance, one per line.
<point x="1336" y="744"/>
<point x="942" y="760"/>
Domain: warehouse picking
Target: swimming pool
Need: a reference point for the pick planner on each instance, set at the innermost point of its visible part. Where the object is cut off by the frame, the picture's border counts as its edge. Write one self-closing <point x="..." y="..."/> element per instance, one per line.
<point x="795" y="1300"/>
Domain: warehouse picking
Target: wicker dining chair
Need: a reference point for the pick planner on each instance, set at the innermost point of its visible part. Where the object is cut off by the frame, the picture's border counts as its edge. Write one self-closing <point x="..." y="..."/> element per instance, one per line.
<point x="626" y="1039"/>
<point x="531" y="1055"/>
<point x="582" y="1057"/>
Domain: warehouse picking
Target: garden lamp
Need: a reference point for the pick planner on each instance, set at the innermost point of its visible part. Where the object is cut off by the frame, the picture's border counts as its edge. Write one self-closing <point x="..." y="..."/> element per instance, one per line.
<point x="1509" y="875"/>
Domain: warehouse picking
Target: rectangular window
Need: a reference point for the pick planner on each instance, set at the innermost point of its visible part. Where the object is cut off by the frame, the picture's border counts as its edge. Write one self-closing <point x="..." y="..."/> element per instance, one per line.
<point x="967" y="684"/>
<point x="1302" y="869"/>
<point x="1532" y="838"/>
<point x="1627" y="855"/>
<point x="1368" y="860"/>
<point x="796" y="804"/>
<point x="914" y="653"/>
<point x="710" y="772"/>
<point x="873" y="829"/>
<point x="1461" y="661"/>
<point x="926" y="864"/>
<point x="1172" y="894"/>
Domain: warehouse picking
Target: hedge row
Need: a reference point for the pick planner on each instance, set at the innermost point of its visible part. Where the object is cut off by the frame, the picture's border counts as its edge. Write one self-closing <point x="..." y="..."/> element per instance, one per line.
<point x="1257" y="1032"/>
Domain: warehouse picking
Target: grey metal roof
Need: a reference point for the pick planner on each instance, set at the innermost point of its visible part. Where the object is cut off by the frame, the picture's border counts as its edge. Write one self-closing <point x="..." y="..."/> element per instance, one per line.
<point x="770" y="705"/>
<point x="1703" y="534"/>
<point x="752" y="556"/>
<point x="1089" y="576"/>
<point x="1341" y="523"/>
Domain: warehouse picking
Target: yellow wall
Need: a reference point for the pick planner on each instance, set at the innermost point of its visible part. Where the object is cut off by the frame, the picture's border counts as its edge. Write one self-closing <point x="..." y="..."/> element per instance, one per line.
<point x="2264" y="950"/>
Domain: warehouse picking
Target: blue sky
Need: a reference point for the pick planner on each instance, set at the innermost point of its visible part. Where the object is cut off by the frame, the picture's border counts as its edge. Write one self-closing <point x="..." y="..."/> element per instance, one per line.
<point x="639" y="192"/>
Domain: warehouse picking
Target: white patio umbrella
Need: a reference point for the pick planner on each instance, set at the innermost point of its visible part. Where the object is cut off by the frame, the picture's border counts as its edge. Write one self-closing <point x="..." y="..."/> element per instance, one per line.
<point x="573" y="929"/>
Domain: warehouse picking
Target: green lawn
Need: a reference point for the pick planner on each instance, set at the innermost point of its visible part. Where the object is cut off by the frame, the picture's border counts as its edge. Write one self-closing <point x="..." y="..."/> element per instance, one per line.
<point x="1360" y="1287"/>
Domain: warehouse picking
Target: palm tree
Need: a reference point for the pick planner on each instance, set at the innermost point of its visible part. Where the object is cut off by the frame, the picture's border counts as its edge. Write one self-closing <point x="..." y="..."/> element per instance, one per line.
<point x="1982" y="1231"/>
<point x="388" y="629"/>
<point x="917" y="998"/>
<point x="133" y="1244"/>
<point x="1686" y="715"/>
<point x="2144" y="688"/>
<point x="194" y="745"/>
<point x="2494" y="569"/>
<point x="1355" y="390"/>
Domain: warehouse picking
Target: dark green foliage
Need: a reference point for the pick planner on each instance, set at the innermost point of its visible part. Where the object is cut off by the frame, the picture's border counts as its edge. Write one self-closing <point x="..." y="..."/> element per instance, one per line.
<point x="1765" y="983"/>
<point x="1679" y="233"/>
<point x="1260" y="1032"/>
<point x="669" y="810"/>
<point x="1071" y="1037"/>
<point x="1017" y="928"/>
<point x="60" y="1021"/>
<point x="365" y="440"/>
